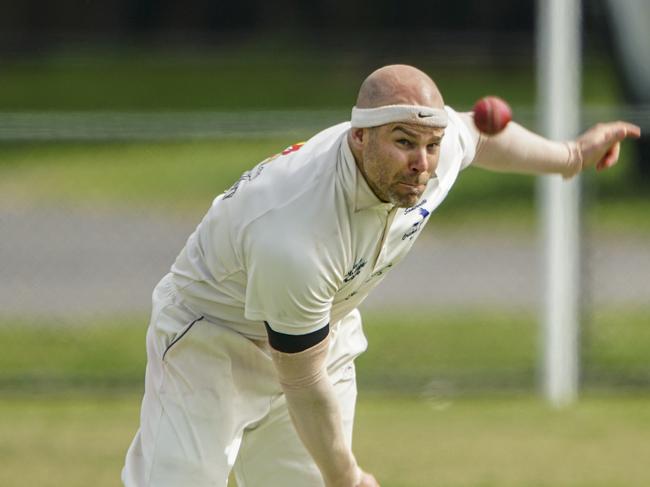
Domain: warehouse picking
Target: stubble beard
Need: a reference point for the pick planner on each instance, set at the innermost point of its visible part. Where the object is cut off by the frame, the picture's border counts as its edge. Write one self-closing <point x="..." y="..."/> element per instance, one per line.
<point x="403" y="200"/>
<point x="384" y="186"/>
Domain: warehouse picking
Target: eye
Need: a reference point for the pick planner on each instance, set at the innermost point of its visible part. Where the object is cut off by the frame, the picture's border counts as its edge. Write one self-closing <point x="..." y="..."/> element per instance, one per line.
<point x="405" y="143"/>
<point x="433" y="147"/>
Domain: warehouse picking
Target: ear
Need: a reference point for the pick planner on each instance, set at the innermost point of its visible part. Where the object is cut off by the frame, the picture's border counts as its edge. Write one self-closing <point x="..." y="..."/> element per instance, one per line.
<point x="358" y="137"/>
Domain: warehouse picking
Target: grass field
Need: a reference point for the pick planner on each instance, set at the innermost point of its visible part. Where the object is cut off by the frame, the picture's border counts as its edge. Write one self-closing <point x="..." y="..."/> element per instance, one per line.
<point x="446" y="401"/>
<point x="80" y="440"/>
<point x="434" y="408"/>
<point x="444" y="355"/>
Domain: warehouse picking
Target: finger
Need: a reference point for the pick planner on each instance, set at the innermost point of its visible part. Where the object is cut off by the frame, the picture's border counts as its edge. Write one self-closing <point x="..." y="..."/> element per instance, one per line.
<point x="608" y="133"/>
<point x="610" y="158"/>
<point x="623" y="130"/>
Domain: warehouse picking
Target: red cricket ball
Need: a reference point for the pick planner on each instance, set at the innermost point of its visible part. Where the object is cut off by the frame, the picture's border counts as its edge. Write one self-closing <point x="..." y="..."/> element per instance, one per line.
<point x="491" y="115"/>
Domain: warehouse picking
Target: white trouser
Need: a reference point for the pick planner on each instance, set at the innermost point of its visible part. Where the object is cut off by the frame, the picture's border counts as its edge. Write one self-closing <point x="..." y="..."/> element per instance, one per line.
<point x="212" y="404"/>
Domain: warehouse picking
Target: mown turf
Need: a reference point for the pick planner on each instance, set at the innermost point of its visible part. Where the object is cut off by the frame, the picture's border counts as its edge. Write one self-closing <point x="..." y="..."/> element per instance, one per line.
<point x="505" y="443"/>
<point x="55" y="440"/>
<point x="446" y="355"/>
<point x="73" y="355"/>
<point x="176" y="175"/>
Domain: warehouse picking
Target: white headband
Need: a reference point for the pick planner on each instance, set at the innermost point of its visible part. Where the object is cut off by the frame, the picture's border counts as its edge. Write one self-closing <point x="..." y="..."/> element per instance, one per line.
<point x="373" y="117"/>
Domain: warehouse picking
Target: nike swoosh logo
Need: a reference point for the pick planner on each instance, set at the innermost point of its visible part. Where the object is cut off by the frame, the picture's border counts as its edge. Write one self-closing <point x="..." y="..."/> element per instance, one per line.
<point x="424" y="115"/>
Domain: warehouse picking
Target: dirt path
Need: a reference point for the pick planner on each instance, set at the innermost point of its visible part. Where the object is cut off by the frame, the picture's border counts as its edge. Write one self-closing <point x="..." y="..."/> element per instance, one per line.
<point x="56" y="262"/>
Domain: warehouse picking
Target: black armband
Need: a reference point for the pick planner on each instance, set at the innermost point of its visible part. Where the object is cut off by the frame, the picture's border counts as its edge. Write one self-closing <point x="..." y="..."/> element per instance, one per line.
<point x="295" y="343"/>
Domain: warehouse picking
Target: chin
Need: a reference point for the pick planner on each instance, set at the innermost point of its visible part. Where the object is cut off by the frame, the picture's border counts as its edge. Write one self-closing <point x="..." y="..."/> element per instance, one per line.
<point x="405" y="201"/>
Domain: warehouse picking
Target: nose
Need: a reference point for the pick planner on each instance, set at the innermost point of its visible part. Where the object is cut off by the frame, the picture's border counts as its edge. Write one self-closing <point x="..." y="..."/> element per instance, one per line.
<point x="420" y="162"/>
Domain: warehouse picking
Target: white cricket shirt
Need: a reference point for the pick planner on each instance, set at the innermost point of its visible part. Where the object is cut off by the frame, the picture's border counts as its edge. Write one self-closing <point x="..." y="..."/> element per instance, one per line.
<point x="300" y="240"/>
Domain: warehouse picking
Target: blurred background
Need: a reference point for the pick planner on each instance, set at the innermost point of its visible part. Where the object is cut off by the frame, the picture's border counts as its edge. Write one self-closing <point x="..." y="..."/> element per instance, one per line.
<point x="121" y="121"/>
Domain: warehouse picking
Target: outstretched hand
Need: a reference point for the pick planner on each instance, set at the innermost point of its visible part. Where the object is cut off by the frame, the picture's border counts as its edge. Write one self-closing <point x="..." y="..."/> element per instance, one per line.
<point x="601" y="144"/>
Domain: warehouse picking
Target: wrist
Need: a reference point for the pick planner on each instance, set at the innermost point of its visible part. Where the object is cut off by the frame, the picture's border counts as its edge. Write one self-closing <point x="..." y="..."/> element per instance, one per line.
<point x="574" y="164"/>
<point x="358" y="475"/>
<point x="349" y="475"/>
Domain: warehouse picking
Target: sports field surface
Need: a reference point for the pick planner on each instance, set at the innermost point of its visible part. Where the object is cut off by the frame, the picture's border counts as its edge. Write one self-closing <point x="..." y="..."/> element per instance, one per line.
<point x="80" y="440"/>
<point x="446" y="401"/>
<point x="446" y="354"/>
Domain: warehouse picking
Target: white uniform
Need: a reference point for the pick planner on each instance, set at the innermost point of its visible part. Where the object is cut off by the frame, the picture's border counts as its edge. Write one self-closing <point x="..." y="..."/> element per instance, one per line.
<point x="299" y="241"/>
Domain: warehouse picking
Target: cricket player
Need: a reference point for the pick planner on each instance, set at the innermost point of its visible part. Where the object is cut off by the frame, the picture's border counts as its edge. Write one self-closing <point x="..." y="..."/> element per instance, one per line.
<point x="254" y="332"/>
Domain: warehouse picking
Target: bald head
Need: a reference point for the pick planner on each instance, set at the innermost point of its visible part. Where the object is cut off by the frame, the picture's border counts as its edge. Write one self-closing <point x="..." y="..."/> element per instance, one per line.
<point x="399" y="84"/>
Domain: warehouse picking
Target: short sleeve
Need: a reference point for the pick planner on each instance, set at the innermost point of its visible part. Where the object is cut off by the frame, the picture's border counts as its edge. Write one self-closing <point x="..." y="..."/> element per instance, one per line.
<point x="467" y="135"/>
<point x="287" y="284"/>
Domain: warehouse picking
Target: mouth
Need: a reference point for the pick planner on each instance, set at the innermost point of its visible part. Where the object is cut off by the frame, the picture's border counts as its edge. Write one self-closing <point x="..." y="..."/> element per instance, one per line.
<point x="413" y="186"/>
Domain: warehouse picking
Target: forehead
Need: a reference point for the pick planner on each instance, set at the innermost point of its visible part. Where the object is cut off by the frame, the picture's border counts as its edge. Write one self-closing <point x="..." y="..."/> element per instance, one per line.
<point x="414" y="130"/>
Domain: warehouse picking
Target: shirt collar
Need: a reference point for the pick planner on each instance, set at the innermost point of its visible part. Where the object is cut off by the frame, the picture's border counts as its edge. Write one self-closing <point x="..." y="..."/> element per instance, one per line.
<point x="364" y="198"/>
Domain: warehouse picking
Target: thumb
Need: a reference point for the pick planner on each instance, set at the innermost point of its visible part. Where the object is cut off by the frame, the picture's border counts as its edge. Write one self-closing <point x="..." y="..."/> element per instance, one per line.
<point x="610" y="158"/>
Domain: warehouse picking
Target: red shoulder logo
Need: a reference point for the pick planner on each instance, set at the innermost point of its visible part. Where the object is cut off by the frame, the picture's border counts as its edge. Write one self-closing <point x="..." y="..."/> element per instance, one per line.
<point x="292" y="148"/>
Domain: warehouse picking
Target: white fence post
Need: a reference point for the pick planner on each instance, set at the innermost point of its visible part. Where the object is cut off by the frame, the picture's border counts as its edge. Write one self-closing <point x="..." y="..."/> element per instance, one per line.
<point x="559" y="63"/>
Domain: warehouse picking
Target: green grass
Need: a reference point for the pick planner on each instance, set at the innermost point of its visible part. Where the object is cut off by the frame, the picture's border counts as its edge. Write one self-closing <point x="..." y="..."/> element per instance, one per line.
<point x="616" y="342"/>
<point x="444" y="355"/>
<point x="54" y="440"/>
<point x="77" y="354"/>
<point x="434" y="406"/>
<point x="181" y="175"/>
<point x="59" y="440"/>
<point x="504" y="442"/>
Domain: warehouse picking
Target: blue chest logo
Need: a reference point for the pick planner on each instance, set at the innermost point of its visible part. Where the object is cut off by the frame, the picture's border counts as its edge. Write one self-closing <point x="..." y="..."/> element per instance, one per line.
<point x="423" y="213"/>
